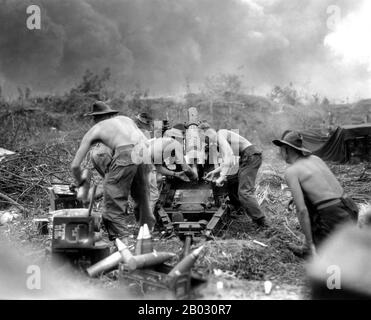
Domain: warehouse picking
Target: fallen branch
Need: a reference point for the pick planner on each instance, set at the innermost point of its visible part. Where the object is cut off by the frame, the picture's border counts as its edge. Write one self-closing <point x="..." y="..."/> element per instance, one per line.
<point x="5" y="197"/>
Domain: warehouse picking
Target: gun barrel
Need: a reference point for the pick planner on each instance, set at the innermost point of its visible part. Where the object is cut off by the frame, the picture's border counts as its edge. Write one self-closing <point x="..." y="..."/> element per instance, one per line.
<point x="193" y="140"/>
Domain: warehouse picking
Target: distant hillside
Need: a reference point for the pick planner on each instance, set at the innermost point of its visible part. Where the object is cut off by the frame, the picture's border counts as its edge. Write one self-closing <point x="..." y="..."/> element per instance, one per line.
<point x="257" y="118"/>
<point x="356" y="113"/>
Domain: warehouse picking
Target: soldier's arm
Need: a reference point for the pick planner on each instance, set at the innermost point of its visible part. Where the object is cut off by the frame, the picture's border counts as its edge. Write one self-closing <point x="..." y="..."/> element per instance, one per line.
<point x="226" y="151"/>
<point x="301" y="209"/>
<point x="180" y="159"/>
<point x="210" y="176"/>
<point x="163" y="149"/>
<point x="89" y="138"/>
<point x="229" y="135"/>
<point x="166" y="172"/>
<point x="173" y="149"/>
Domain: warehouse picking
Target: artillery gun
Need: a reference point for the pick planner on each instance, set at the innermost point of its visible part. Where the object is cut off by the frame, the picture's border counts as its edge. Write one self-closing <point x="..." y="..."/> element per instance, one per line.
<point x="193" y="209"/>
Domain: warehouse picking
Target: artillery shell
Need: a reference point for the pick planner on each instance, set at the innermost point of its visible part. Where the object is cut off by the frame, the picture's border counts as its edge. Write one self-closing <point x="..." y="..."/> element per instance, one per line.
<point x="149" y="259"/>
<point x="147" y="246"/>
<point x="105" y="264"/>
<point x="186" y="263"/>
<point x="124" y="250"/>
<point x="138" y="244"/>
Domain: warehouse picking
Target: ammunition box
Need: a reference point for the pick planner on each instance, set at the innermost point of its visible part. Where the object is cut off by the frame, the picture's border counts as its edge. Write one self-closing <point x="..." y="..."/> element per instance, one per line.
<point x="61" y="197"/>
<point x="72" y="229"/>
<point x="85" y="257"/>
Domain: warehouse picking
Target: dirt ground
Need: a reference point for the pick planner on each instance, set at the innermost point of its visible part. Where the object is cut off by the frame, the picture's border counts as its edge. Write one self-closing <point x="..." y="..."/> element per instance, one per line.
<point x="236" y="264"/>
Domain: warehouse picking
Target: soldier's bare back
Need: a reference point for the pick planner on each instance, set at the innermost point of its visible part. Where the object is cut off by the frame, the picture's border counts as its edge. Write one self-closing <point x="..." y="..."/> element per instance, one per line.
<point x="113" y="132"/>
<point x="116" y="132"/>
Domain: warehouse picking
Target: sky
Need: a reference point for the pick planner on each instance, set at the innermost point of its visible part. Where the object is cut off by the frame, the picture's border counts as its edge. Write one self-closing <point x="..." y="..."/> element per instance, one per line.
<point x="319" y="45"/>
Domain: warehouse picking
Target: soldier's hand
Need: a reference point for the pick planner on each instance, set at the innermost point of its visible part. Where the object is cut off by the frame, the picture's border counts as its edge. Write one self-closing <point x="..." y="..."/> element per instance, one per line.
<point x="210" y="176"/>
<point x="194" y="176"/>
<point x="191" y="175"/>
<point x="220" y="181"/>
<point x="73" y="187"/>
<point x="182" y="176"/>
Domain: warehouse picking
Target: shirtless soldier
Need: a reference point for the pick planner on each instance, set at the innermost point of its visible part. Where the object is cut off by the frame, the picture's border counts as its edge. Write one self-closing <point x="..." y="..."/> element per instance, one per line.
<point x="240" y="176"/>
<point x="321" y="204"/>
<point x="101" y="155"/>
<point x="124" y="176"/>
<point x="154" y="152"/>
<point x="168" y="147"/>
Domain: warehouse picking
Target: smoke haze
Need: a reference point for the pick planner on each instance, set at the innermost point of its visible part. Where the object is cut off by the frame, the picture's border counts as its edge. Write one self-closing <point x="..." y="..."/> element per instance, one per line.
<point x="162" y="44"/>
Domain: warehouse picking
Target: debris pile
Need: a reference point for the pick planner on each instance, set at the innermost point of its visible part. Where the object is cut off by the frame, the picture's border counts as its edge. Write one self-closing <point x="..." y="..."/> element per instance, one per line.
<point x="26" y="174"/>
<point x="355" y="179"/>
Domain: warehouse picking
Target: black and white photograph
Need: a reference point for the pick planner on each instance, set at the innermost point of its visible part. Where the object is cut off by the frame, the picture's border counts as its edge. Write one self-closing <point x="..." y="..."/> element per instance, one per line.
<point x="185" y="155"/>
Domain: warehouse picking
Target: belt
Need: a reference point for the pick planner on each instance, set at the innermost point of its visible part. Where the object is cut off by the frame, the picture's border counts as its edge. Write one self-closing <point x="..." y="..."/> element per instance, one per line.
<point x="328" y="203"/>
<point x="123" y="148"/>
